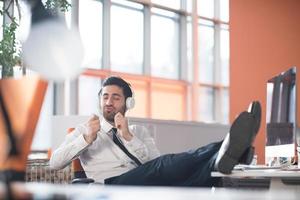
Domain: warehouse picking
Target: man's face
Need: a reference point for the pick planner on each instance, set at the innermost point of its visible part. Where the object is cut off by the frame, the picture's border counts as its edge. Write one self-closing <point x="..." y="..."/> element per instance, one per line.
<point x="112" y="102"/>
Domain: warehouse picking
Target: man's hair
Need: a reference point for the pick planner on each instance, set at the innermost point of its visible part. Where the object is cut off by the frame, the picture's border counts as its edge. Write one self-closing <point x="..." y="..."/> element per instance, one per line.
<point x="118" y="81"/>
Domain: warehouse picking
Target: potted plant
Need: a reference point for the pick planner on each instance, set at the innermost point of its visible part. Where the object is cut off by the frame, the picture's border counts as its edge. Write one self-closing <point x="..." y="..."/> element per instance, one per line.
<point x="10" y="47"/>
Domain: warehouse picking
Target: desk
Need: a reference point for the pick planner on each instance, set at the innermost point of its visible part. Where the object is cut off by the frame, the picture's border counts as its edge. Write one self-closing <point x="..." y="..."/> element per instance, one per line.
<point x="276" y="176"/>
<point x="101" y="192"/>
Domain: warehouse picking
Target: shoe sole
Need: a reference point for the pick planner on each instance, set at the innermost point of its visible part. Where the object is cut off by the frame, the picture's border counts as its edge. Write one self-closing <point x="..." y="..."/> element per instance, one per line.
<point x="255" y="110"/>
<point x="242" y="134"/>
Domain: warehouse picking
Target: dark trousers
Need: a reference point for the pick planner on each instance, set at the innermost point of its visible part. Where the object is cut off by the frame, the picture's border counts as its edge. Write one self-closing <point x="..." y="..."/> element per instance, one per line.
<point x="192" y="168"/>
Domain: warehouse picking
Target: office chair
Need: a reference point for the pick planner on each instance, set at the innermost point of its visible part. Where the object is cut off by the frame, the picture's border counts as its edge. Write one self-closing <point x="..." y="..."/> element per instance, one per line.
<point x="78" y="172"/>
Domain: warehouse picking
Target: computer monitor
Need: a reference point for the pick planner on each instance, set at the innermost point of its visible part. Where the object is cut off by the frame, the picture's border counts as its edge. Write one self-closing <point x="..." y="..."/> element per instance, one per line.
<point x="281" y="116"/>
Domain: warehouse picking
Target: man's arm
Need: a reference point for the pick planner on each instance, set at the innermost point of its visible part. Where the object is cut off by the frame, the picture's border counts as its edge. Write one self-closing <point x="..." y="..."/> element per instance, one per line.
<point x="75" y="143"/>
<point x="136" y="139"/>
<point x="71" y="148"/>
<point x="142" y="144"/>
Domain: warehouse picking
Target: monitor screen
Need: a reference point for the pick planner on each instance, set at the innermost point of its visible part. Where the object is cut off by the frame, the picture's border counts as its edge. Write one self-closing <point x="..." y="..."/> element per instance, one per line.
<point x="281" y="115"/>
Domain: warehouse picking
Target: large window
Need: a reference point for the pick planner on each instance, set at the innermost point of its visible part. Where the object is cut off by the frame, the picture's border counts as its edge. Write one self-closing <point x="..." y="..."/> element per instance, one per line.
<point x="224" y="55"/>
<point x="164" y="44"/>
<point x="213" y="60"/>
<point x="206" y="104"/>
<point x="90" y="26"/>
<point x="224" y="10"/>
<point x="165" y="98"/>
<point x="206" y="51"/>
<point x="88" y="88"/>
<point x="174" y="53"/>
<point x="127" y="38"/>
<point x="205" y="8"/>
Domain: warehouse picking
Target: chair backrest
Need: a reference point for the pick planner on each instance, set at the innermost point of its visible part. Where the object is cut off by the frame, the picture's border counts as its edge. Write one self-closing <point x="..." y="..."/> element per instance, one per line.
<point x="76" y="165"/>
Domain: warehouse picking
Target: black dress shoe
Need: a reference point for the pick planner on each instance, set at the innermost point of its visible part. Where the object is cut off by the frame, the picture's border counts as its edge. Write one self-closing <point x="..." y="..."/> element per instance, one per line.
<point x="239" y="140"/>
<point x="255" y="110"/>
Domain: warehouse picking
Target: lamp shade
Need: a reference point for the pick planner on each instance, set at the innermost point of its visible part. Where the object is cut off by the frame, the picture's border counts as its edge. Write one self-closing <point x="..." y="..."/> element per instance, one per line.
<point x="53" y="50"/>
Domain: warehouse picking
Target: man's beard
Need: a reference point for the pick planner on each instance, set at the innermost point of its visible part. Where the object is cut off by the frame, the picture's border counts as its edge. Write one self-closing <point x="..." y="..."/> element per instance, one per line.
<point x="110" y="116"/>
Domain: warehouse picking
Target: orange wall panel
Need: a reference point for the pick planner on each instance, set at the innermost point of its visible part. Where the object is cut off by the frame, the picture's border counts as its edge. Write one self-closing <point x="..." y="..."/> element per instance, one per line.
<point x="264" y="41"/>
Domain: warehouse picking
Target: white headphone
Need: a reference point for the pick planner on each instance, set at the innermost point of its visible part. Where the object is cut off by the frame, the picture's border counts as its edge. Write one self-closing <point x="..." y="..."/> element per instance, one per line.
<point x="130" y="102"/>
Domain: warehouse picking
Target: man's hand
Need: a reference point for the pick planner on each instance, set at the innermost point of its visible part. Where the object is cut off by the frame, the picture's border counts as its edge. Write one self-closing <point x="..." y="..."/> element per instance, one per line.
<point x="92" y="127"/>
<point x="121" y="124"/>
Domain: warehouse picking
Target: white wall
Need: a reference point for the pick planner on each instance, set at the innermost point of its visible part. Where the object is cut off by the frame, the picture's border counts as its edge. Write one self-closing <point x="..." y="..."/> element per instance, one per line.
<point x="170" y="136"/>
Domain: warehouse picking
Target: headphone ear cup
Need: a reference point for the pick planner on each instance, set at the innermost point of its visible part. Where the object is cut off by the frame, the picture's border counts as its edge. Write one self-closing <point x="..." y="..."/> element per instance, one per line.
<point x="130" y="103"/>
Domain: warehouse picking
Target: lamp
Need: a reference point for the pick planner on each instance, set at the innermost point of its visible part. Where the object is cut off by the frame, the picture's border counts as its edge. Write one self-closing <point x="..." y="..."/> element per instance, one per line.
<point x="20" y="104"/>
<point x="52" y="49"/>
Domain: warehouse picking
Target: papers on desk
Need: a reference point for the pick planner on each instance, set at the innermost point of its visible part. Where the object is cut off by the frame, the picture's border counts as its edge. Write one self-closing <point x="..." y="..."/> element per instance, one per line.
<point x="264" y="167"/>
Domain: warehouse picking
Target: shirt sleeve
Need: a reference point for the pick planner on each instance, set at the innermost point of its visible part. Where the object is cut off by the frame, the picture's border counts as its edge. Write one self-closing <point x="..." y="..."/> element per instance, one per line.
<point x="73" y="145"/>
<point x="142" y="145"/>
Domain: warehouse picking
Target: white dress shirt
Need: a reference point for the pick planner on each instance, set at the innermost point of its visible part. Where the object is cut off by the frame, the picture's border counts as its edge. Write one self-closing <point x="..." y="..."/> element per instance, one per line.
<point x="103" y="158"/>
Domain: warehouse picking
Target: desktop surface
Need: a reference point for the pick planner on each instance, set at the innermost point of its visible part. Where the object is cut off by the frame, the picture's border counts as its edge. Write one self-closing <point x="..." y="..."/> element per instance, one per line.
<point x="55" y="191"/>
<point x="273" y="178"/>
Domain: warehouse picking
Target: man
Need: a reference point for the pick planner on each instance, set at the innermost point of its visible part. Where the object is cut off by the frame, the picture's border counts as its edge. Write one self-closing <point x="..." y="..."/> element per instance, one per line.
<point x="111" y="152"/>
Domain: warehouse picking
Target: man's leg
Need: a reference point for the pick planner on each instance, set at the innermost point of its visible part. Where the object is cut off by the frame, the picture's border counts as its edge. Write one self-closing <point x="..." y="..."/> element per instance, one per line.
<point x="194" y="168"/>
<point x="235" y="148"/>
<point x="172" y="169"/>
<point x="202" y="175"/>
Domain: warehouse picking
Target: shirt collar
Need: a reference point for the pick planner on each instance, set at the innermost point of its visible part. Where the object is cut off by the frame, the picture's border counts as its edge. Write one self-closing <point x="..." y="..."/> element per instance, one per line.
<point x="105" y="126"/>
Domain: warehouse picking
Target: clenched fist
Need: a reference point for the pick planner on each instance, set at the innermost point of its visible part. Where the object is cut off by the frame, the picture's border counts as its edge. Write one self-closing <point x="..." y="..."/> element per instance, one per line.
<point x="121" y="124"/>
<point x="92" y="127"/>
